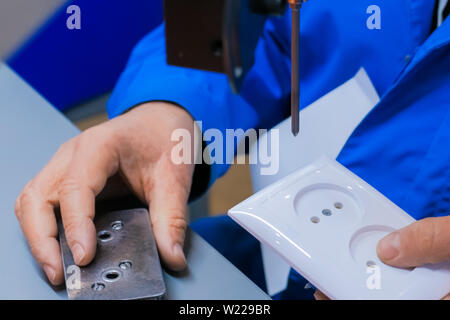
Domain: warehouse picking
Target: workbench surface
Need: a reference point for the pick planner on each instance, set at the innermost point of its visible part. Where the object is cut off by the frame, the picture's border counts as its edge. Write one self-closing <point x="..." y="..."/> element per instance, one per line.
<point x="31" y="131"/>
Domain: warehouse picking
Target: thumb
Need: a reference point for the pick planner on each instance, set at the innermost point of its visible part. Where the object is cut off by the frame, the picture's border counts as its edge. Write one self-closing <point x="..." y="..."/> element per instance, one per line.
<point x="422" y="242"/>
<point x="168" y="213"/>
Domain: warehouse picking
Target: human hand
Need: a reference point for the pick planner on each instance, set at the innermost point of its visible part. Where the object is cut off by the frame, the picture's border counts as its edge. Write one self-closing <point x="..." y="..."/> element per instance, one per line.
<point x="422" y="242"/>
<point x="136" y="145"/>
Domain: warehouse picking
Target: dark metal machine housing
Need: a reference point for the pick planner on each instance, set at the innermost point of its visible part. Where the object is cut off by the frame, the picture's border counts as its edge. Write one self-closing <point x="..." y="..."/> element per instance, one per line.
<point x="217" y="35"/>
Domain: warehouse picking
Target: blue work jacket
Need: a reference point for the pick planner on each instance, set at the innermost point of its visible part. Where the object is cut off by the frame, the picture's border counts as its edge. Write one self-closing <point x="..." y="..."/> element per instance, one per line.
<point x="402" y="147"/>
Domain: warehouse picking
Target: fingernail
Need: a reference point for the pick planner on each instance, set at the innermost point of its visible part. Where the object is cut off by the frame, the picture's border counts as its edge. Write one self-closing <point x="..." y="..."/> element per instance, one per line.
<point x="389" y="246"/>
<point x="178" y="250"/>
<point x="50" y="272"/>
<point x="78" y="253"/>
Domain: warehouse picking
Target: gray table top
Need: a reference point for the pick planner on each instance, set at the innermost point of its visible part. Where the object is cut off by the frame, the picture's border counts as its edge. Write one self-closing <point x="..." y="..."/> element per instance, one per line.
<point x="31" y="130"/>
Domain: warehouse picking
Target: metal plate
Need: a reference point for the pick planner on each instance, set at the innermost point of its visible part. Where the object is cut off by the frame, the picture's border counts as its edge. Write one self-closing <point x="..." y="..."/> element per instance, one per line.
<point x="126" y="265"/>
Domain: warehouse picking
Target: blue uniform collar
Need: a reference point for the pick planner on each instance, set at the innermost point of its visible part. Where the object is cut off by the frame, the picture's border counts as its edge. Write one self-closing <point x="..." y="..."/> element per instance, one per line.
<point x="438" y="39"/>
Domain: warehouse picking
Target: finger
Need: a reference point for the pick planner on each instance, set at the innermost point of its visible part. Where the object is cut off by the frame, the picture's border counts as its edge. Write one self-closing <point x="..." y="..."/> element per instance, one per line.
<point x="424" y="241"/>
<point x="38" y="223"/>
<point x="318" y="295"/>
<point x="86" y="176"/>
<point x="168" y="197"/>
<point x="35" y="212"/>
<point x="77" y="203"/>
<point x="447" y="297"/>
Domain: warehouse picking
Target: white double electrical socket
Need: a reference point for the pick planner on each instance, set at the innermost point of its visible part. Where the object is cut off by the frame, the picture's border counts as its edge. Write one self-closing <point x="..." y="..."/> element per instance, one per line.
<point x="326" y="222"/>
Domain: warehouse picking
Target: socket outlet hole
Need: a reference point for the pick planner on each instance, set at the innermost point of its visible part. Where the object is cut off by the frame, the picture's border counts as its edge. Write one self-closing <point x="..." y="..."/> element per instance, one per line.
<point x="315" y="219"/>
<point x="338" y="205"/>
<point x="326" y="212"/>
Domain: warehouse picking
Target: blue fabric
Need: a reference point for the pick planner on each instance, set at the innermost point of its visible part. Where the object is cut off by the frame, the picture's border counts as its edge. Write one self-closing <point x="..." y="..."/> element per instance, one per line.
<point x="70" y="66"/>
<point x="402" y="147"/>
<point x="243" y="250"/>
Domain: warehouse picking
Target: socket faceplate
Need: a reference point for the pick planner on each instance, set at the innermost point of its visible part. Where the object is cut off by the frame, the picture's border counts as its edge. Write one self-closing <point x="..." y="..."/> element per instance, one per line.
<point x="326" y="222"/>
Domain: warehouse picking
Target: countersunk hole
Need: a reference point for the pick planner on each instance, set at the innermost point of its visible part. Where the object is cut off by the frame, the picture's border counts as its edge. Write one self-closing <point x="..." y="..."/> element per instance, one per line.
<point x="315" y="219"/>
<point x="338" y="205"/>
<point x="117" y="225"/>
<point x="98" y="286"/>
<point x="104" y="235"/>
<point x="371" y="264"/>
<point x="111" y="275"/>
<point x="326" y="212"/>
<point x="124" y="265"/>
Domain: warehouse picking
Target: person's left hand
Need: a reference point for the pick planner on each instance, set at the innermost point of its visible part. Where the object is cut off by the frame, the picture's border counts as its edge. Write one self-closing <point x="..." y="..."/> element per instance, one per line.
<point x="422" y="242"/>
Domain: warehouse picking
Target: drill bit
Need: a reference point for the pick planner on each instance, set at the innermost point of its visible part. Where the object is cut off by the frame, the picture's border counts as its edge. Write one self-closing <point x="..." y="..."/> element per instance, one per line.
<point x="295" y="6"/>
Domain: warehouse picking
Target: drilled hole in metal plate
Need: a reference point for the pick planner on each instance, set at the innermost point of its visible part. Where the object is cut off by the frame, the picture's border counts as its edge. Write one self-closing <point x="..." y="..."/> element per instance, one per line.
<point x="124" y="265"/>
<point x="117" y="225"/>
<point x="326" y="212"/>
<point x="111" y="275"/>
<point x="371" y="264"/>
<point x="104" y="235"/>
<point x="98" y="286"/>
<point x="315" y="220"/>
<point x="338" y="205"/>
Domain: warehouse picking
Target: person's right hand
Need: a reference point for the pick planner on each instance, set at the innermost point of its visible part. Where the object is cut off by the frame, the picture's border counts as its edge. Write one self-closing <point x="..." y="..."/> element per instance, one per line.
<point x="138" y="146"/>
<point x="423" y="242"/>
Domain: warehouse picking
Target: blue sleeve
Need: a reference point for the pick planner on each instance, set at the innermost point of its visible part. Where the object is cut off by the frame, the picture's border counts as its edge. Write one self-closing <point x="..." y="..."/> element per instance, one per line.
<point x="207" y="95"/>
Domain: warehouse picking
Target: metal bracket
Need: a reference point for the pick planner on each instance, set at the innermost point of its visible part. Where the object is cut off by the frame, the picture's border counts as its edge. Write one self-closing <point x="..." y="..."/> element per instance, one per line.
<point x="126" y="265"/>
